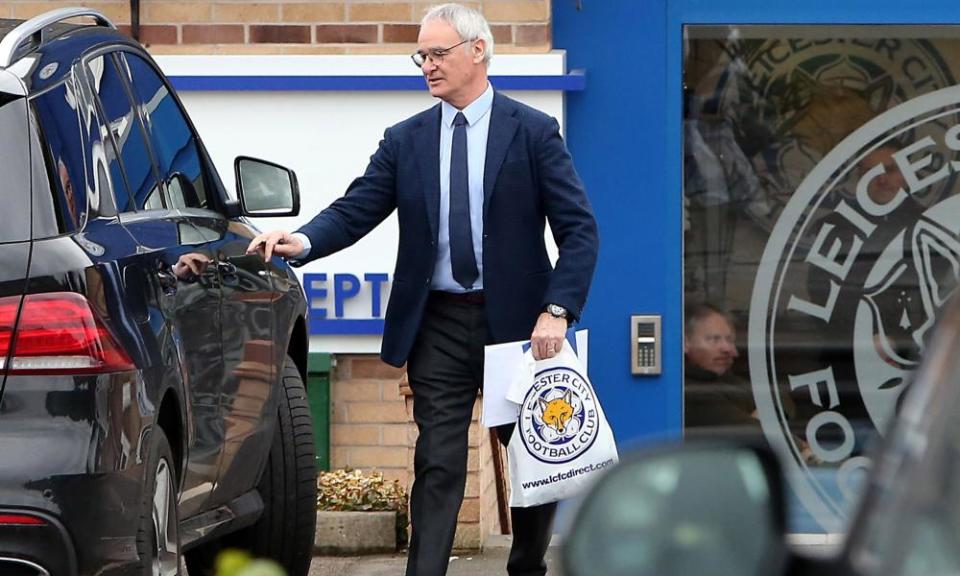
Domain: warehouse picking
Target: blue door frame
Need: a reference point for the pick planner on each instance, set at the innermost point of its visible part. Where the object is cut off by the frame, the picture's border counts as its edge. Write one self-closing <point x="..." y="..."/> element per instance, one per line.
<point x="624" y="132"/>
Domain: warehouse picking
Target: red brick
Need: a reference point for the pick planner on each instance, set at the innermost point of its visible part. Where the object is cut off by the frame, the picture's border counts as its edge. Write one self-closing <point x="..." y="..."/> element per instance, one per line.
<point x="367" y="366"/>
<point x="467" y="537"/>
<point x="154" y="34"/>
<point x="381" y="12"/>
<point x="473" y="460"/>
<point x="474" y="437"/>
<point x="271" y="34"/>
<point x="400" y="33"/>
<point x="339" y="457"/>
<point x="338" y="411"/>
<point x="473" y="487"/>
<point x="398" y="474"/>
<point x="358" y="391"/>
<point x="502" y="34"/>
<point x="376" y="412"/>
<point x="391" y="389"/>
<point x="469" y="511"/>
<point x="377" y="457"/>
<point x="212" y="34"/>
<point x="354" y="435"/>
<point x="535" y="35"/>
<point x="347" y="34"/>
<point x="395" y="435"/>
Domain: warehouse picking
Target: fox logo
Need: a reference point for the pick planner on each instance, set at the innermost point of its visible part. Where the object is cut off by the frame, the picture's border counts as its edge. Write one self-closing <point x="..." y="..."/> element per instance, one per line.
<point x="559" y="415"/>
<point x="558" y="412"/>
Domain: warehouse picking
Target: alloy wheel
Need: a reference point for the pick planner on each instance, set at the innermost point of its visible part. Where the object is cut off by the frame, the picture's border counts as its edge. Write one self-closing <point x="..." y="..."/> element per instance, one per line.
<point x="166" y="561"/>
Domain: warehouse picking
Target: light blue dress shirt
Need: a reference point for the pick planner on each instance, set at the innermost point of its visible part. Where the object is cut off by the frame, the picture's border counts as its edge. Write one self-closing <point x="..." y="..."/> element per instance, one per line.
<point x="478" y="126"/>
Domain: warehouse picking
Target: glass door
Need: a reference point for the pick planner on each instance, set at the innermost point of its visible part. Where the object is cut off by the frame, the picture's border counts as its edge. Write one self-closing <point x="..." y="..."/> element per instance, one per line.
<point x="821" y="234"/>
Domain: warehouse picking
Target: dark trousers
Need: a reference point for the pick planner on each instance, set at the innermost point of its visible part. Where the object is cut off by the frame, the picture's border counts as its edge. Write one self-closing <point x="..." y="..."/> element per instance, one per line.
<point x="445" y="370"/>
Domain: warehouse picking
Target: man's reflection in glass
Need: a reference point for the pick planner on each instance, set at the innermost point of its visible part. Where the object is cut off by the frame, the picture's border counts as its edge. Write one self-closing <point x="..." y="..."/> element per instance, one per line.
<point x="720" y="187"/>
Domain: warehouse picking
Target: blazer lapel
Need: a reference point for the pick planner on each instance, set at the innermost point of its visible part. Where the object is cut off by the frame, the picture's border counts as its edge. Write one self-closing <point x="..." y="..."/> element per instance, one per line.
<point x="426" y="144"/>
<point x="503" y="126"/>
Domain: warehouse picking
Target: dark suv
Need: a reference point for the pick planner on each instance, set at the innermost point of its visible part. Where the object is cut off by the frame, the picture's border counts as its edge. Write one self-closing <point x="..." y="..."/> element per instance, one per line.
<point x="152" y="395"/>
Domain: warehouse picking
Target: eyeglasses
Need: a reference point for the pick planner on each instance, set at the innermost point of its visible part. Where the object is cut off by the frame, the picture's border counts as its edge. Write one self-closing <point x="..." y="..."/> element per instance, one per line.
<point x="434" y="54"/>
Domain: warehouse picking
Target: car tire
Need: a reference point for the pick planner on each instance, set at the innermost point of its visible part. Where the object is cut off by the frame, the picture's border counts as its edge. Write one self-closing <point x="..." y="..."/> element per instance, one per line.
<point x="285" y="530"/>
<point x="158" y="535"/>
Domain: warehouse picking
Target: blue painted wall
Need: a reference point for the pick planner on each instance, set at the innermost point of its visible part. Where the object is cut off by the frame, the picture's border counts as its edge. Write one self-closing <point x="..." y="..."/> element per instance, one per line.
<point x="624" y="132"/>
<point x="616" y="132"/>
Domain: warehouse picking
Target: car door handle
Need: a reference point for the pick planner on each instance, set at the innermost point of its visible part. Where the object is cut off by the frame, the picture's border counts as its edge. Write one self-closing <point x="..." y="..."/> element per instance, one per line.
<point x="168" y="281"/>
<point x="226" y="268"/>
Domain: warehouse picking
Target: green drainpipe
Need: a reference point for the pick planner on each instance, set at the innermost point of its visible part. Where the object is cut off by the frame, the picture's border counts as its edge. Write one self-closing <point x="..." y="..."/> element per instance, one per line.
<point x="318" y="394"/>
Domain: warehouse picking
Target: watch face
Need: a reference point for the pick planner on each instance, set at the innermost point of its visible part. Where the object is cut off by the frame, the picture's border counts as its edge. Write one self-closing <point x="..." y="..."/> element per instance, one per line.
<point x="556" y="310"/>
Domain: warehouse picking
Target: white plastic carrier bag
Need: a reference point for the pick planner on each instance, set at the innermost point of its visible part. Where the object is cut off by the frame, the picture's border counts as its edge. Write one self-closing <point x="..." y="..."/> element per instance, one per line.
<point x="562" y="440"/>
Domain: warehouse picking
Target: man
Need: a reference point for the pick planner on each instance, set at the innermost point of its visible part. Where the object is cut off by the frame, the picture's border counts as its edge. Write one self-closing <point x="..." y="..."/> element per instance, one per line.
<point x="713" y="395"/>
<point x="473" y="181"/>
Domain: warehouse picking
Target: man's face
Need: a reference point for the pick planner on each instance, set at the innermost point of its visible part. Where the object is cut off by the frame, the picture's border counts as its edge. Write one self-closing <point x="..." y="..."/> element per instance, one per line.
<point x="453" y="78"/>
<point x="884" y="187"/>
<point x="68" y="194"/>
<point x="712" y="345"/>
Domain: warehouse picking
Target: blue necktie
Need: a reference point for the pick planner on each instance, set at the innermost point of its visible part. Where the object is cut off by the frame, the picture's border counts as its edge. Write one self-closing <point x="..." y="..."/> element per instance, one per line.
<point x="462" y="259"/>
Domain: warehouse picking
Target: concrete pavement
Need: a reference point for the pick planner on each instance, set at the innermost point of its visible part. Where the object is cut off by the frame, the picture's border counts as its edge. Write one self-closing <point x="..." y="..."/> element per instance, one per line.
<point x="491" y="562"/>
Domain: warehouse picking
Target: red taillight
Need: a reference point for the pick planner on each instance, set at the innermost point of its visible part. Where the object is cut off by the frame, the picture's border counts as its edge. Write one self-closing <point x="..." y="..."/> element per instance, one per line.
<point x="58" y="333"/>
<point x="20" y="520"/>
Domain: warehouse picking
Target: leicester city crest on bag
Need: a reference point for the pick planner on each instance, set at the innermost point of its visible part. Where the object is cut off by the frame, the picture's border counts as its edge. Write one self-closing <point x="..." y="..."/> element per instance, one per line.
<point x="558" y="416"/>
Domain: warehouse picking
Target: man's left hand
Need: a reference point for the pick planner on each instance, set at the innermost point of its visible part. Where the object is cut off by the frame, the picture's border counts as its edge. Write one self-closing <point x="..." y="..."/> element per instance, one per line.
<point x="548" y="336"/>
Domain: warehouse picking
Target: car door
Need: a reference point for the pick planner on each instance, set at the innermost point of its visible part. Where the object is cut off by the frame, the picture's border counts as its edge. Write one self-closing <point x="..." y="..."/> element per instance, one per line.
<point x="246" y="295"/>
<point x="184" y="292"/>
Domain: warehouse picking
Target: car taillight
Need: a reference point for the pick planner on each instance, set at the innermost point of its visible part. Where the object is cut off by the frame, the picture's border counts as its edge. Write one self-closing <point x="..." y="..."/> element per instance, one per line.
<point x="21" y="520"/>
<point x="58" y="333"/>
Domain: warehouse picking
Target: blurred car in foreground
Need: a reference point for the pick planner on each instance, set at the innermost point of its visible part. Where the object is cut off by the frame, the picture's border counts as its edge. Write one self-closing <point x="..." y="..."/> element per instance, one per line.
<point x="719" y="507"/>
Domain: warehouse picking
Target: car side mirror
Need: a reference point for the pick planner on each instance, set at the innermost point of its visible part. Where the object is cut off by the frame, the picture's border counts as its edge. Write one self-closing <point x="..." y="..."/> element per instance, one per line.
<point x="265" y="188"/>
<point x="696" y="508"/>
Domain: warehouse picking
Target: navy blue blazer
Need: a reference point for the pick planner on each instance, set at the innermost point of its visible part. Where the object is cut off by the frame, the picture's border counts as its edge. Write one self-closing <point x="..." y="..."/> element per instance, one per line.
<point x="528" y="178"/>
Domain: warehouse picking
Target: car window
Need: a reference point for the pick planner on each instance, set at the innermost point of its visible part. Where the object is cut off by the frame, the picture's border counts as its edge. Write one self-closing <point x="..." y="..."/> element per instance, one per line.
<point x="138" y="172"/>
<point x="15" y="167"/>
<point x="173" y="141"/>
<point x="63" y="151"/>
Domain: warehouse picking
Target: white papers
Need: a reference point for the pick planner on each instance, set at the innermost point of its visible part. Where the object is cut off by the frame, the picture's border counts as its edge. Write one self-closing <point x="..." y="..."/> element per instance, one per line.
<point x="501" y="367"/>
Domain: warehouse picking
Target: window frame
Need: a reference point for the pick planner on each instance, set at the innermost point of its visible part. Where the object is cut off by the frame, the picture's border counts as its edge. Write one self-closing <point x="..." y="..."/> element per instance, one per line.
<point x="216" y="192"/>
<point x="84" y="69"/>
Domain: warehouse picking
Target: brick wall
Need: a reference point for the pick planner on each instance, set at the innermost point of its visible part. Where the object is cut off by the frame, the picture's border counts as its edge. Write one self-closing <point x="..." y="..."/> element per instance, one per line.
<point x="308" y="27"/>
<point x="371" y="428"/>
<point x="369" y="425"/>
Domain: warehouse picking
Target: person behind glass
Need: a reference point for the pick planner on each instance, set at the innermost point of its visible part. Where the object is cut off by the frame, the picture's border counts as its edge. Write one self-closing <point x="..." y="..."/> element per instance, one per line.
<point x="713" y="394"/>
<point x="473" y="180"/>
<point x="715" y="398"/>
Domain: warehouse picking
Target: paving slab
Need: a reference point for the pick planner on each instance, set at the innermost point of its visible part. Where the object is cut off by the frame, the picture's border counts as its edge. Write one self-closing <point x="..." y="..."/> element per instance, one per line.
<point x="491" y="562"/>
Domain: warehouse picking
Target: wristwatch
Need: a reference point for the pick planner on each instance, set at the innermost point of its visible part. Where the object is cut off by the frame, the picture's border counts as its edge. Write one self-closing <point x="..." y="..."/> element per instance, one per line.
<point x="557" y="311"/>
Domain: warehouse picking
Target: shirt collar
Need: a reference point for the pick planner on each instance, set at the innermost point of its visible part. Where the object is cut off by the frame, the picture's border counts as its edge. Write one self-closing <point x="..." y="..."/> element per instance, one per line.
<point x="473" y="112"/>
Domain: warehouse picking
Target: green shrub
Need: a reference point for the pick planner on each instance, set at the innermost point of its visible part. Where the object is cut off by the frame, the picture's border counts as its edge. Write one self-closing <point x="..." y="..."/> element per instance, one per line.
<point x="354" y="490"/>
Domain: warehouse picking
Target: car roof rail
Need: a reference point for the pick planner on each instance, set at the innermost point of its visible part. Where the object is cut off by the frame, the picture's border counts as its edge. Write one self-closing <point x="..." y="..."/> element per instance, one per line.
<point x="25" y="31"/>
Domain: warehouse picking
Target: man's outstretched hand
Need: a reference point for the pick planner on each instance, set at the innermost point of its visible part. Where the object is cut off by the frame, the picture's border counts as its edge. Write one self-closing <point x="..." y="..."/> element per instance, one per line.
<point x="277" y="242"/>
